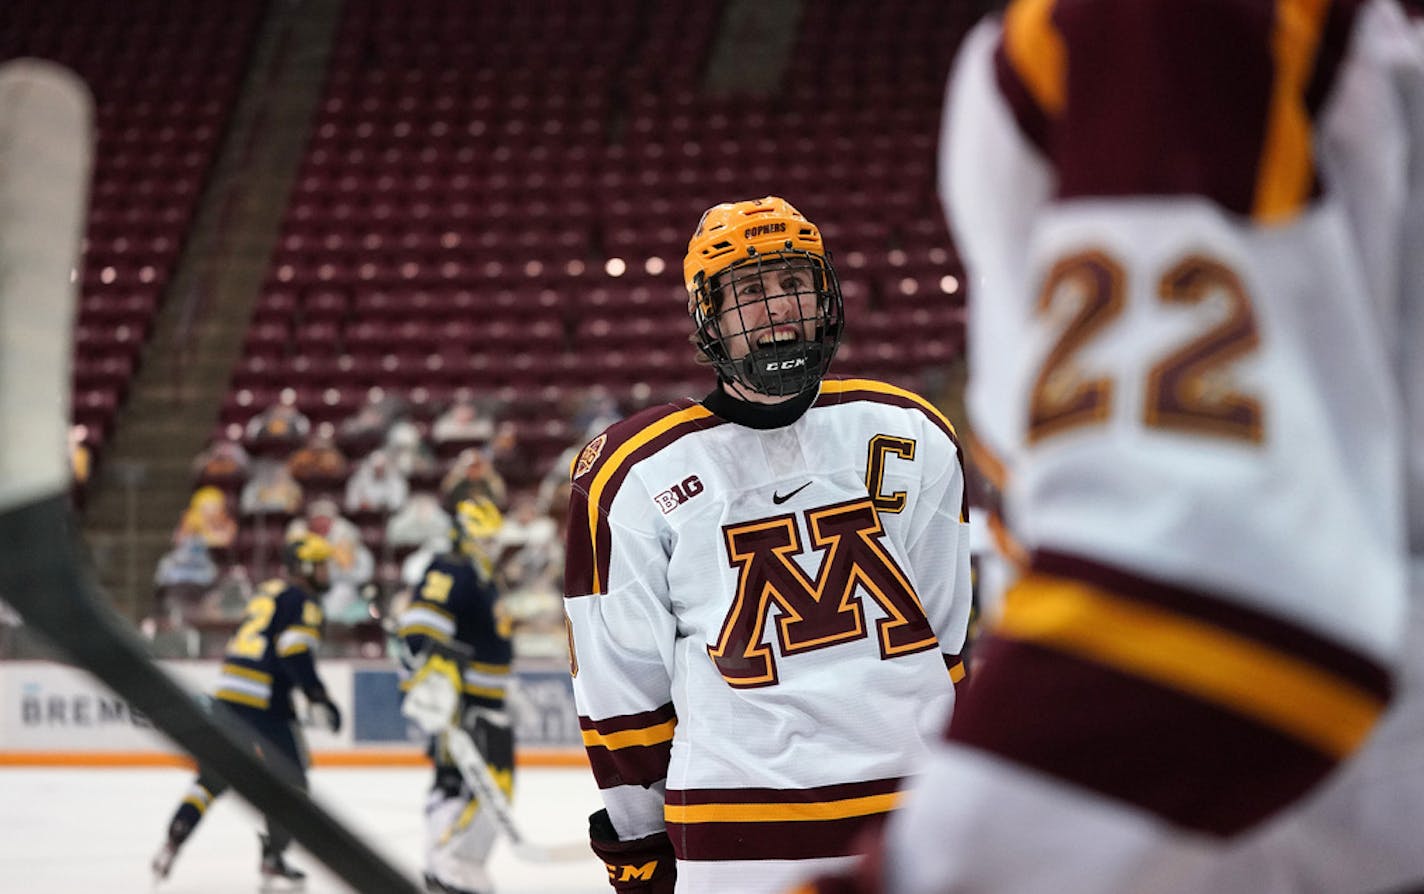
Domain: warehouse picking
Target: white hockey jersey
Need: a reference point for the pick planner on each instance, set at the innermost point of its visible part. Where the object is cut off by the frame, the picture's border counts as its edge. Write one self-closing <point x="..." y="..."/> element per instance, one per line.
<point x="1192" y="235"/>
<point x="765" y="621"/>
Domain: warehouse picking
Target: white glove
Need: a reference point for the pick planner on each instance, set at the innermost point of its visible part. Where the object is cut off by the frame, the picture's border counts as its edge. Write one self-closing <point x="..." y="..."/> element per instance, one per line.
<point x="433" y="698"/>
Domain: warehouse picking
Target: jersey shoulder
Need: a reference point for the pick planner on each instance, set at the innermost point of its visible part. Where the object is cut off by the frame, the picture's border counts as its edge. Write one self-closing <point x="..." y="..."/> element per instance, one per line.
<point x="850" y="391"/>
<point x="625" y="442"/>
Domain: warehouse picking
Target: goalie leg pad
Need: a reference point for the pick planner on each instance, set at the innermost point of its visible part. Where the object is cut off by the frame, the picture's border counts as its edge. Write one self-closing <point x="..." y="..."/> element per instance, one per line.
<point x="459" y="838"/>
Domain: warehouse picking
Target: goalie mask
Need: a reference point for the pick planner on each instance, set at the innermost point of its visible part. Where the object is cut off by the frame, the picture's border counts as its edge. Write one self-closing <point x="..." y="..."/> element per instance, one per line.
<point x="477" y="521"/>
<point x="763" y="296"/>
<point x="305" y="557"/>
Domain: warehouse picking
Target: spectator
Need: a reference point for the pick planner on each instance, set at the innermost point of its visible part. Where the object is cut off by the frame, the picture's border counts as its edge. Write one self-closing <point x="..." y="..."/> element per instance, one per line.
<point x="352" y="564"/>
<point x="531" y="568"/>
<point x="80" y="459"/>
<point x="271" y="488"/>
<point x="376" y="485"/>
<point x="223" y="461"/>
<point x="208" y="518"/>
<point x="318" y="458"/>
<point x="280" y="427"/>
<point x="227" y="600"/>
<point x="368" y="426"/>
<point x="187" y="563"/>
<point x="409" y="451"/>
<point x="527" y="547"/>
<point x="463" y="421"/>
<point x="510" y="458"/>
<point x="472" y="476"/>
<point x="421" y="519"/>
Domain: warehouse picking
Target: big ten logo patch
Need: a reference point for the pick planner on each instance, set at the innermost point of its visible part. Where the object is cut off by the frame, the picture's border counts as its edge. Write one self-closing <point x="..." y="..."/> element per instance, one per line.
<point x="678" y="494"/>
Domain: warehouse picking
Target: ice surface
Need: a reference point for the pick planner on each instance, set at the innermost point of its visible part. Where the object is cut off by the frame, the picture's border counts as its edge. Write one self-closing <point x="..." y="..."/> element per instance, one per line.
<point x="93" y="831"/>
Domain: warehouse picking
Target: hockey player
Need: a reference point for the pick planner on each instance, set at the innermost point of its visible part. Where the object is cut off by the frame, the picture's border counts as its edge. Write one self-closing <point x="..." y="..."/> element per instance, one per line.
<point x="272" y="653"/>
<point x="1192" y="234"/>
<point x="767" y="590"/>
<point x="453" y="626"/>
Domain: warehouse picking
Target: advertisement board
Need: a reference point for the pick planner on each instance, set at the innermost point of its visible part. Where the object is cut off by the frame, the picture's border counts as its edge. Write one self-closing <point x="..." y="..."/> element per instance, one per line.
<point x="53" y="713"/>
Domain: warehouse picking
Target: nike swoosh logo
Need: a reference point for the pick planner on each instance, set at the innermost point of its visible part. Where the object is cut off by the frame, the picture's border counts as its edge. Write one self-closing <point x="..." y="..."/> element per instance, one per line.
<point x="778" y="499"/>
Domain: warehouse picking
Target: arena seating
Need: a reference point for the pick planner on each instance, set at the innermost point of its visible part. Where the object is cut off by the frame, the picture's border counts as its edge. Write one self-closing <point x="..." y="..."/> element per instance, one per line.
<point x="499" y="197"/>
<point x="164" y="76"/>
<point x="496" y="199"/>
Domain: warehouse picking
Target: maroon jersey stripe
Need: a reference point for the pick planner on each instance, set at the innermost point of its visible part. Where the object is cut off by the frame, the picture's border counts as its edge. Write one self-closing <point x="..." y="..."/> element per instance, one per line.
<point x="1156" y="101"/>
<point x="771" y="840"/>
<point x="635" y="765"/>
<point x="815" y="794"/>
<point x="1124" y="738"/>
<point x="626" y="760"/>
<point x="625" y="722"/>
<point x="776" y="824"/>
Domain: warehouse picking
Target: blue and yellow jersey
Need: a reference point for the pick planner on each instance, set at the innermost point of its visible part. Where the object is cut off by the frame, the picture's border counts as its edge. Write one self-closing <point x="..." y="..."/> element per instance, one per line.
<point x="273" y="650"/>
<point x="453" y="603"/>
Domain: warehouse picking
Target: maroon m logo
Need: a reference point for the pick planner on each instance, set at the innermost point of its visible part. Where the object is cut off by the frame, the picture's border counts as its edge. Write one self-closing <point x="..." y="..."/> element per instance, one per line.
<point x="814" y="614"/>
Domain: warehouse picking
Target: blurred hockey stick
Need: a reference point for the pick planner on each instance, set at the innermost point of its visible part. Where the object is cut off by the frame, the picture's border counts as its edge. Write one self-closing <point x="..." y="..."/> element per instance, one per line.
<point x="45" y="152"/>
<point x="433" y="703"/>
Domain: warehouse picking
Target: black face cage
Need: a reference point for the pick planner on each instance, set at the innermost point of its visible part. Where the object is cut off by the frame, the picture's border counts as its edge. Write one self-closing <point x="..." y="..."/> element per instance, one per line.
<point x="784" y="368"/>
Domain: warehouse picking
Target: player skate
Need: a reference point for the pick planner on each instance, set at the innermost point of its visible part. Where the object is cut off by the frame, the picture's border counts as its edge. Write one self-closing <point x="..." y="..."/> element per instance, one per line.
<point x="163" y="861"/>
<point x="277" y="875"/>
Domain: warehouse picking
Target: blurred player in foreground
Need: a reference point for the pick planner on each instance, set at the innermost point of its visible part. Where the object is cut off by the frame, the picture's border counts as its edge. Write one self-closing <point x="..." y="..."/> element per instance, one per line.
<point x="1361" y="832"/>
<point x="272" y="653"/>
<point x="453" y="629"/>
<point x="1192" y="232"/>
<point x="767" y="590"/>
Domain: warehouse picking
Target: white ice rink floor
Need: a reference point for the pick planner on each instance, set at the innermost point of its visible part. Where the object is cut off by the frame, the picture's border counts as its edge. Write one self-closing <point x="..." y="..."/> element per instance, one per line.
<point x="83" y="831"/>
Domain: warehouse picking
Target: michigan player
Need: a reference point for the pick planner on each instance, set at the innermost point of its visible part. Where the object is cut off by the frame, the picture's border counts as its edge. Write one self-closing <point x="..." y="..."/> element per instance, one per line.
<point x="453" y="626"/>
<point x="272" y="653"/>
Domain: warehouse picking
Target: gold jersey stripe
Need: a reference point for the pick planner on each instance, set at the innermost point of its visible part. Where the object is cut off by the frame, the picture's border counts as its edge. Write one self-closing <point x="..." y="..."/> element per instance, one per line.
<point x="628" y="738"/>
<point x="842" y="386"/>
<point x="615" y="462"/>
<point x="247" y="673"/>
<point x="1287" y="162"/>
<point x="1036" y="52"/>
<point x="242" y="698"/>
<point x="485" y="691"/>
<point x="1242" y="675"/>
<point x="956" y="672"/>
<point x="844" y="808"/>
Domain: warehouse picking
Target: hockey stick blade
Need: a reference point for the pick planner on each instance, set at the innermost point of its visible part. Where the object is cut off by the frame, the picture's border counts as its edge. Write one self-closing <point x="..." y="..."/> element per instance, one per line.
<point x="45" y="139"/>
<point x="476" y="773"/>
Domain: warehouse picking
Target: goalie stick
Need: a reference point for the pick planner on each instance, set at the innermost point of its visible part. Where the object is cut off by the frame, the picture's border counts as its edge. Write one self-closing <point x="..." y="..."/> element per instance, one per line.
<point x="45" y="146"/>
<point x="476" y="774"/>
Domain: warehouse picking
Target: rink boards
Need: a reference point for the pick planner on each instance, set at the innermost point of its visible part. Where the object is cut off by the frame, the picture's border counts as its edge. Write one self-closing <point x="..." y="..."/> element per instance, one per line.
<point x="54" y="715"/>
